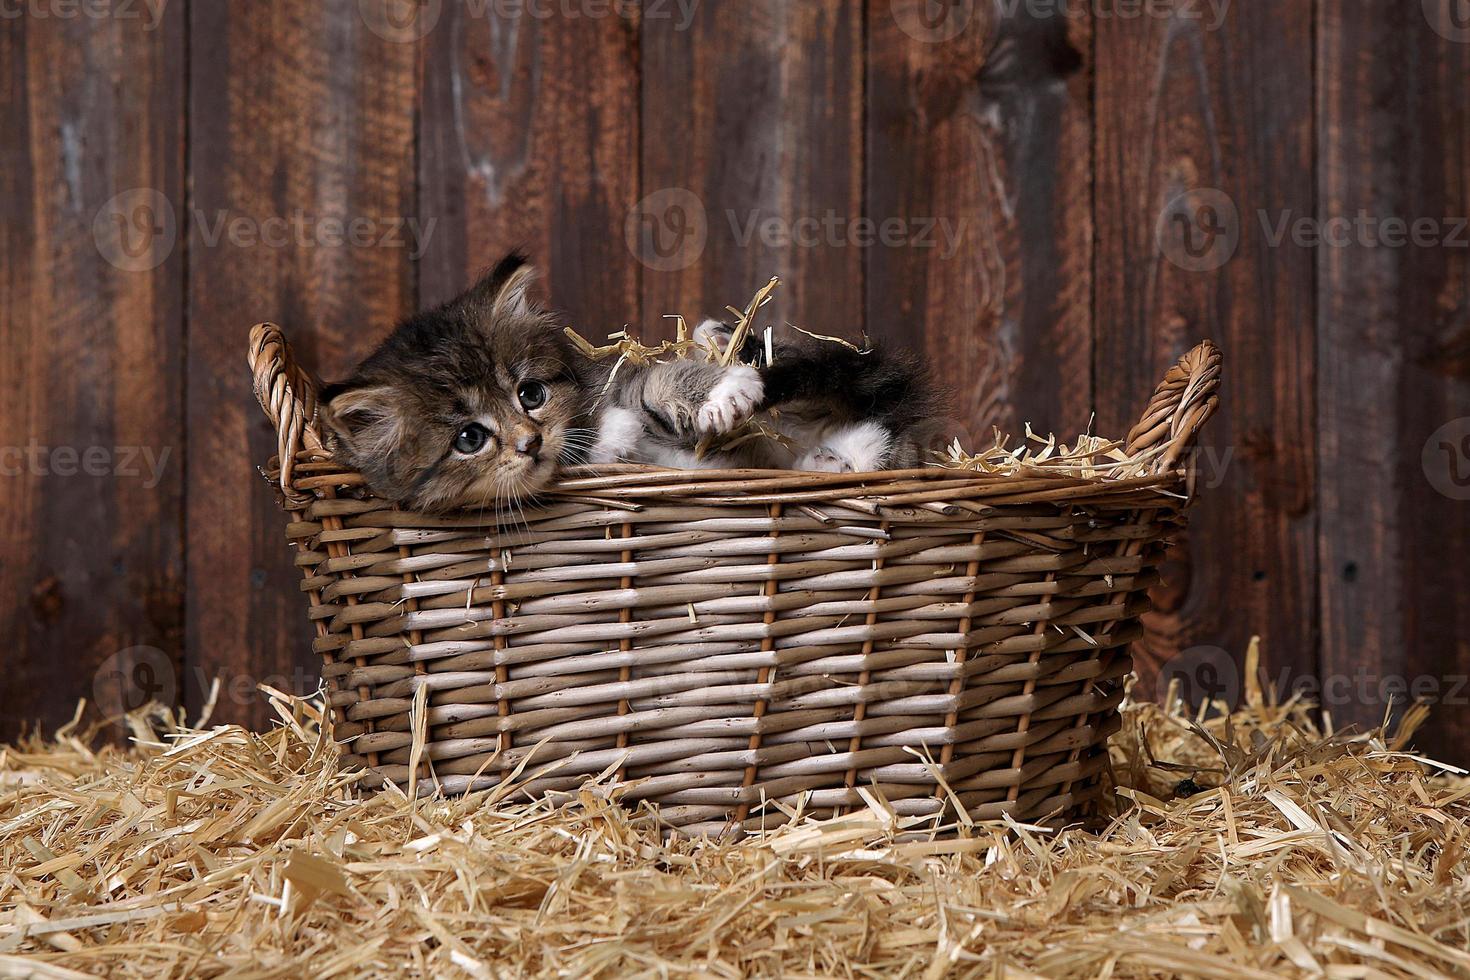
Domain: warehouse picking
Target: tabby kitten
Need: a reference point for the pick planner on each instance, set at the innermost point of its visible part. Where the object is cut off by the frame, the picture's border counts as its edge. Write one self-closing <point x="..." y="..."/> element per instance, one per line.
<point x="478" y="402"/>
<point x="475" y="402"/>
<point x="837" y="409"/>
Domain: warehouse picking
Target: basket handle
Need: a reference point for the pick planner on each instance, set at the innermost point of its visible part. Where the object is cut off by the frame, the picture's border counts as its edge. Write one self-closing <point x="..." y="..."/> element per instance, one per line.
<point x="287" y="395"/>
<point x="1181" y="405"/>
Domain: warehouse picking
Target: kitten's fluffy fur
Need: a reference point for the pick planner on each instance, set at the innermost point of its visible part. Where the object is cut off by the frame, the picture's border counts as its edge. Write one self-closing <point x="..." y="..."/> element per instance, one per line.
<point x="399" y="418"/>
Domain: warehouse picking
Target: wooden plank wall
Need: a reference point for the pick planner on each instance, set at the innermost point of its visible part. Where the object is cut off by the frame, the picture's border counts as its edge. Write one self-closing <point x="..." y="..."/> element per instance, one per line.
<point x="989" y="132"/>
<point x="91" y="338"/>
<point x="1074" y="193"/>
<point x="1220" y="132"/>
<point x="1393" y="356"/>
<point x="301" y="123"/>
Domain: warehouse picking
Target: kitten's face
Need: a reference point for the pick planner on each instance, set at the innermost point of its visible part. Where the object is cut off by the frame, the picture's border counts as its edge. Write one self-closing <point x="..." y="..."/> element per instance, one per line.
<point x="473" y="404"/>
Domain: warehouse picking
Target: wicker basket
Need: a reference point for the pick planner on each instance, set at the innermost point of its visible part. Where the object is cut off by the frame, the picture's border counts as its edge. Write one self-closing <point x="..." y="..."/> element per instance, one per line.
<point x="727" y="640"/>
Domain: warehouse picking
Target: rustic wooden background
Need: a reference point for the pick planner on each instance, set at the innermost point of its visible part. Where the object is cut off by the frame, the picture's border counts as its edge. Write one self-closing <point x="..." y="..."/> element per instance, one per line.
<point x="1054" y="135"/>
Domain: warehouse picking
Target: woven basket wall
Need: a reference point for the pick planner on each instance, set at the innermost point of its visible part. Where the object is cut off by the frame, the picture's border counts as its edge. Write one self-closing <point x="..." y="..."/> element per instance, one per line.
<point x="723" y="640"/>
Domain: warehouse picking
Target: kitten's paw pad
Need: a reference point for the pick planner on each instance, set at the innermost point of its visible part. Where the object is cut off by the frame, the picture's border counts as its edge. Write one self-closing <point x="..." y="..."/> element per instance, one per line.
<point x="824" y="460"/>
<point x="731" y="401"/>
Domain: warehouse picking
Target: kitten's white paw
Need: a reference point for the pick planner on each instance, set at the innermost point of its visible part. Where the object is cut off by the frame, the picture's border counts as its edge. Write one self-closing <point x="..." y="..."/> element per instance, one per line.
<point x="731" y="401"/>
<point x="712" y="334"/>
<point x="860" y="448"/>
<point x="824" y="460"/>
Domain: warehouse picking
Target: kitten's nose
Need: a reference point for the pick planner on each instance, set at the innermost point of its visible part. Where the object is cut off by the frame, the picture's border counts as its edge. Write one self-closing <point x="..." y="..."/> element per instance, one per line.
<point x="530" y="445"/>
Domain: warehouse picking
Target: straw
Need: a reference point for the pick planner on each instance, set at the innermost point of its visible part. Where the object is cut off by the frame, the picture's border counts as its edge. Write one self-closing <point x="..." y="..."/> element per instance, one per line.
<point x="1248" y="844"/>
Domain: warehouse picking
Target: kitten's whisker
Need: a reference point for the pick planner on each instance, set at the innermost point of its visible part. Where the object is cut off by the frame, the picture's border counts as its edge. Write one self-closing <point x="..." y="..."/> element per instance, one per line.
<point x="504" y="514"/>
<point x="485" y="501"/>
<point x="516" y="506"/>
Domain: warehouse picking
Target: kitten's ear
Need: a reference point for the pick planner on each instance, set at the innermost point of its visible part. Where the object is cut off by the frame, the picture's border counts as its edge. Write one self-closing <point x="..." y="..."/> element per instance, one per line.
<point x="373" y="427"/>
<point x="505" y="289"/>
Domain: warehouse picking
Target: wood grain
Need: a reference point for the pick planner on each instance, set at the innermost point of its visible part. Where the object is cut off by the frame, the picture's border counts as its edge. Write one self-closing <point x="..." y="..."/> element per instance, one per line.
<point x="91" y="327"/>
<point x="302" y="114"/>
<point x="1394" y="363"/>
<point x="1223" y="116"/>
<point x="752" y="130"/>
<point x="529" y="139"/>
<point x="988" y="132"/>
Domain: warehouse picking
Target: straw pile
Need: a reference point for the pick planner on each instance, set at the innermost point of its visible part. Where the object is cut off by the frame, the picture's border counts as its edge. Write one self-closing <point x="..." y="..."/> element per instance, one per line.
<point x="1252" y="845"/>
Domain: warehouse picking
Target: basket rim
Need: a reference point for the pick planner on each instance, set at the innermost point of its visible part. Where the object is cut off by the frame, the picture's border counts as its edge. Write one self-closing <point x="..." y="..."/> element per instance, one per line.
<point x="1155" y="450"/>
<point x="589" y="476"/>
<point x="317" y="477"/>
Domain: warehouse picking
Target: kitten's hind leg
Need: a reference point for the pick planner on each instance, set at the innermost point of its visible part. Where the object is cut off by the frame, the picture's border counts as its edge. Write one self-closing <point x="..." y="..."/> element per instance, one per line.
<point x="823" y="460"/>
<point x="859" y="448"/>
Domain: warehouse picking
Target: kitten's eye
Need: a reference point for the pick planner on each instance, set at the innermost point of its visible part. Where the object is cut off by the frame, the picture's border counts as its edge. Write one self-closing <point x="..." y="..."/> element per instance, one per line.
<point x="532" y="395"/>
<point x="471" y="439"/>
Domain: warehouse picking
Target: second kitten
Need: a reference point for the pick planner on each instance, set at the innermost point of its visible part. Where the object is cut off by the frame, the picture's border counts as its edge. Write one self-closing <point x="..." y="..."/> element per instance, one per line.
<point x="837" y="409"/>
